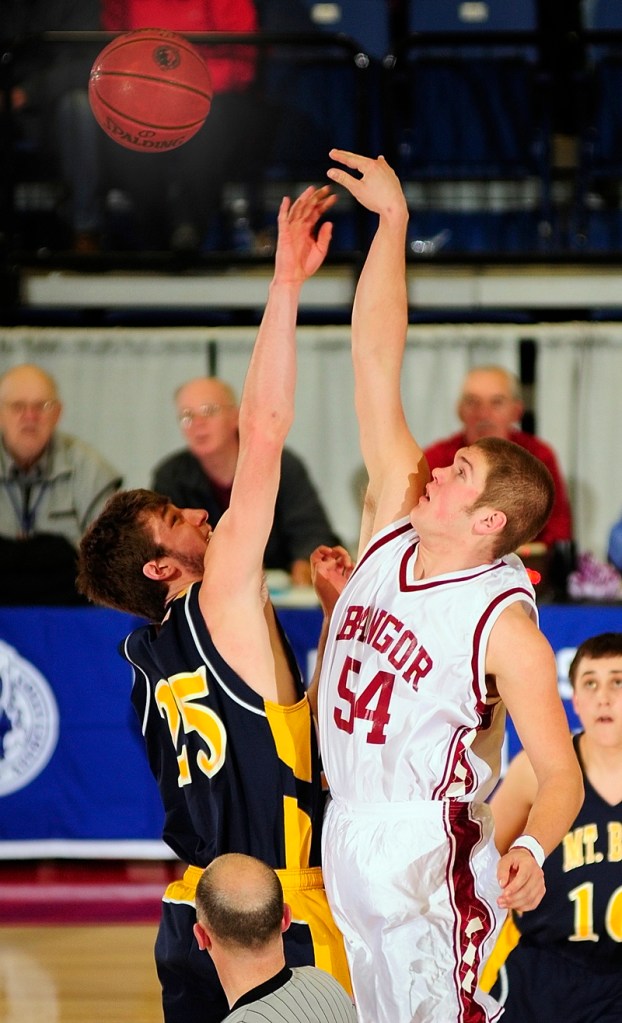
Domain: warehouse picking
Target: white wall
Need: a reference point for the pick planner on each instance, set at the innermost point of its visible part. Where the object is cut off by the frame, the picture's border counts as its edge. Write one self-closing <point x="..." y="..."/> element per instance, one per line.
<point x="117" y="386"/>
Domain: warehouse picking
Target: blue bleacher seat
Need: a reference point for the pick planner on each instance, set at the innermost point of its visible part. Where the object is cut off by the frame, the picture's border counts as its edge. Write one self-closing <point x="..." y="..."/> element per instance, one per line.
<point x="365" y="21"/>
<point x="316" y="79"/>
<point x="468" y="104"/>
<point x="601" y="15"/>
<point x="599" y="191"/>
<point x="461" y="16"/>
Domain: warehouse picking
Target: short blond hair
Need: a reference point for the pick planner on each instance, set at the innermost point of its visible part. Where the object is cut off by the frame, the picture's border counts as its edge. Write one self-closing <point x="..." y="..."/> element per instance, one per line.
<point x="519" y="485"/>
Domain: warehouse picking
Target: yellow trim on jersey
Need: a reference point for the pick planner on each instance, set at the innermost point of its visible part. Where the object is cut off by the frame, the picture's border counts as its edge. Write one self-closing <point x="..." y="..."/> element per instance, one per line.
<point x="297" y="827"/>
<point x="508" y="939"/>
<point x="303" y="890"/>
<point x="291" y="728"/>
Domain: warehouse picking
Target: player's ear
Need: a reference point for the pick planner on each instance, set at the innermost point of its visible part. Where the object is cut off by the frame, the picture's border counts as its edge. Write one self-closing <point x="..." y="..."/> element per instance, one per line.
<point x="202" y="937"/>
<point x="287" y="917"/>
<point x="489" y="520"/>
<point x="158" y="569"/>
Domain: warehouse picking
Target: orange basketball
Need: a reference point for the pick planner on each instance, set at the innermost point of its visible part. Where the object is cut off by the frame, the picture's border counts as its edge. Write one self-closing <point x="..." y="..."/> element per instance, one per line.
<point x="150" y="90"/>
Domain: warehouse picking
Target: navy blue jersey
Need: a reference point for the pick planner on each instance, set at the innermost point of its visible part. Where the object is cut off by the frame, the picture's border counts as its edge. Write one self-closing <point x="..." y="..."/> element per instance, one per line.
<point x="236" y="773"/>
<point x="580" y="916"/>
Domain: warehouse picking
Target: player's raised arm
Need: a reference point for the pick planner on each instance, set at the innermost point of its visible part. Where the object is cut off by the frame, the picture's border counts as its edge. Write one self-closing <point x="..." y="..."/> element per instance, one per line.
<point x="235" y="554"/>
<point x="394" y="461"/>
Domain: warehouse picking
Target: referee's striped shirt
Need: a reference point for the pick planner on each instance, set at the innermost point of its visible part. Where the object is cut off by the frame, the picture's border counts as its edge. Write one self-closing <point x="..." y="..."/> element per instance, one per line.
<point x="303" y="994"/>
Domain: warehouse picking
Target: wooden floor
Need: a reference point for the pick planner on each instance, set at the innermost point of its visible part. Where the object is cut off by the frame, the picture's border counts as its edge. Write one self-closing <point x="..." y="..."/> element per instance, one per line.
<point x="79" y="974"/>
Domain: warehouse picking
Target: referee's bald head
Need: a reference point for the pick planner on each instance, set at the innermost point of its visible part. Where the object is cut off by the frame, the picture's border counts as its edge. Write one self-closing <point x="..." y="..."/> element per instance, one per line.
<point x="240" y="899"/>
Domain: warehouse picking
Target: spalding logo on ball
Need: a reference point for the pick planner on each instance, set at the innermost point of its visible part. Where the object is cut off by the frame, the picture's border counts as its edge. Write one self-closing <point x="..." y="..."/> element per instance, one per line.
<point x="150" y="90"/>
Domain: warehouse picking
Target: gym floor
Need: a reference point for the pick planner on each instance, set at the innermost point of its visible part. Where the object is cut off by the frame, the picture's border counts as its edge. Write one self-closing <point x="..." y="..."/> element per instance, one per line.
<point x="76" y="940"/>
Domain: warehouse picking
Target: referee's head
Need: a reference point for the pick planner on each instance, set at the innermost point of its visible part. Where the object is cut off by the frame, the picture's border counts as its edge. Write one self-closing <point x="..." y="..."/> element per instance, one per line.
<point x="240" y="907"/>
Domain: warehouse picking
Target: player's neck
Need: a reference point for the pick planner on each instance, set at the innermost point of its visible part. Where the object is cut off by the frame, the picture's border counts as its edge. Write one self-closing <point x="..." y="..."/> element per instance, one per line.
<point x="442" y="559"/>
<point x="243" y="973"/>
<point x="178" y="588"/>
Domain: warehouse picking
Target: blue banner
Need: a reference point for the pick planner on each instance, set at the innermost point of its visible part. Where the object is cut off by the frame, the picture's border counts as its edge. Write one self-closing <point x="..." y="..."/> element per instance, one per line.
<point x="72" y="763"/>
<point x="74" y="779"/>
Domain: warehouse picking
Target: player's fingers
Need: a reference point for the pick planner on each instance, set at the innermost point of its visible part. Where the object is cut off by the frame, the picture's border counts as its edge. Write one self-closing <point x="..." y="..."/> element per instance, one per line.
<point x="528" y="898"/>
<point x="298" y="208"/>
<point x="343" y="178"/>
<point x="503" y="873"/>
<point x="312" y="195"/>
<point x="315" y="211"/>
<point x="353" y="160"/>
<point x="326" y="201"/>
<point x="524" y="891"/>
<point x="322" y="551"/>
<point x="324" y="236"/>
<point x="311" y="205"/>
<point x="284" y="207"/>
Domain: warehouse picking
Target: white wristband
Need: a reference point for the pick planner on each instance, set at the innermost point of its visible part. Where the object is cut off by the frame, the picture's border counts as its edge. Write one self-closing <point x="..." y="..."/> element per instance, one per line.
<point x="532" y="844"/>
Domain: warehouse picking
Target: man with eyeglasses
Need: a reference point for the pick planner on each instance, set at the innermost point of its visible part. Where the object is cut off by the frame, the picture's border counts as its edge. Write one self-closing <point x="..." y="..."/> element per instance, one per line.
<point x="202" y="477"/>
<point x="52" y="485"/>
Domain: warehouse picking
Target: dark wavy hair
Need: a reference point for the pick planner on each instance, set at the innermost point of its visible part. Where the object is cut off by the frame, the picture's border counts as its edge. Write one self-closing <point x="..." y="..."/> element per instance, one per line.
<point x="606" y="644"/>
<point x="114" y="550"/>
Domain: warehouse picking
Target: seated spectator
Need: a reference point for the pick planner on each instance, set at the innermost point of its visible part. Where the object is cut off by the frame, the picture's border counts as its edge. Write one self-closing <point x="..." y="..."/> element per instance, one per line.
<point x="50" y="112"/>
<point x="241" y="917"/>
<point x="490" y="406"/>
<point x="228" y="146"/>
<point x="202" y="477"/>
<point x="563" y="960"/>
<point x="51" y="486"/>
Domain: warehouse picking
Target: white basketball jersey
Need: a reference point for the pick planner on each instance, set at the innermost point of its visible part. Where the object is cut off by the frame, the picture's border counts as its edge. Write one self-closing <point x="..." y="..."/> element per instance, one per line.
<point x="404" y="710"/>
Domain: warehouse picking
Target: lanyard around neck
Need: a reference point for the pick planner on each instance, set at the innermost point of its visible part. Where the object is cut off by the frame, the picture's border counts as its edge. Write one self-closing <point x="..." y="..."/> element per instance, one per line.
<point x="25" y="514"/>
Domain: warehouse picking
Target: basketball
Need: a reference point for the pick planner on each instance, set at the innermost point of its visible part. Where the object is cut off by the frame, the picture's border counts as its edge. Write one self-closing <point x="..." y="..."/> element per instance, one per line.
<point x="150" y="90"/>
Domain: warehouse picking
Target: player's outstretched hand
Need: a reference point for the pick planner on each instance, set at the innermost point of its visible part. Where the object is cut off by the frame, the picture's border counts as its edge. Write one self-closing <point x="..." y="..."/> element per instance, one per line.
<point x="300" y="250"/>
<point x="521" y="879"/>
<point x="331" y="567"/>
<point x="378" y="188"/>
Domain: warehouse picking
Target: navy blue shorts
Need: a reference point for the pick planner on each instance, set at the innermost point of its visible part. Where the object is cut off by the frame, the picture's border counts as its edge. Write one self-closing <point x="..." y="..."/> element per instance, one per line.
<point x="539" y="986"/>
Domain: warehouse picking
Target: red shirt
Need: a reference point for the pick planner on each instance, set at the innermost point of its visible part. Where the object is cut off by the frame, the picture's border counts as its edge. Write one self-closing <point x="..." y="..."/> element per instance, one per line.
<point x="559" y="525"/>
<point x="230" y="68"/>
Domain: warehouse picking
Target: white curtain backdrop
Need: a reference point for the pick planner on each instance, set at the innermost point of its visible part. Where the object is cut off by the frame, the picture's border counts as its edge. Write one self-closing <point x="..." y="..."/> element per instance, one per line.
<point x="580" y="377"/>
<point x="117" y="386"/>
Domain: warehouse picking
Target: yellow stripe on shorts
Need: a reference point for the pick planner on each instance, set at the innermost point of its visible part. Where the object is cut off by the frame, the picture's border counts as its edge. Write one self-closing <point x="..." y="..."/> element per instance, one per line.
<point x="508" y="939"/>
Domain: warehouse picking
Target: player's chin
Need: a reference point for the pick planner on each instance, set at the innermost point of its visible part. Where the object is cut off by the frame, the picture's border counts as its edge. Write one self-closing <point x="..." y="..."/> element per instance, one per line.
<point x="415" y="511"/>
